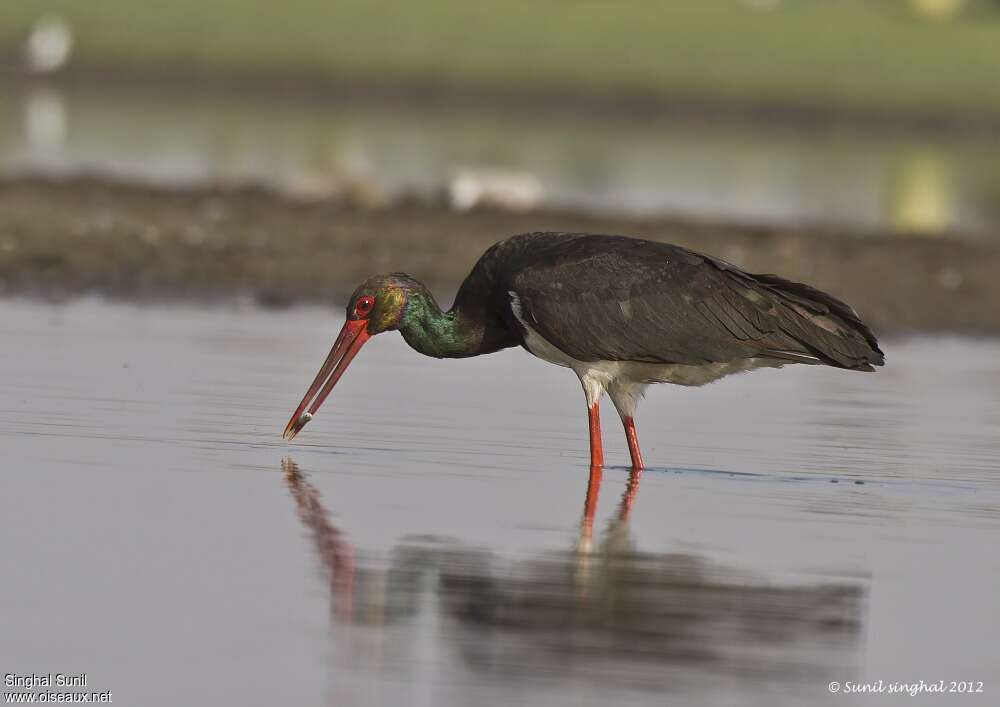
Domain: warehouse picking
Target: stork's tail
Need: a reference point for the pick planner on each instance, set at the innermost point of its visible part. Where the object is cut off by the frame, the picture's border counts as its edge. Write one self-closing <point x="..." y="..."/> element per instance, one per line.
<point x="827" y="327"/>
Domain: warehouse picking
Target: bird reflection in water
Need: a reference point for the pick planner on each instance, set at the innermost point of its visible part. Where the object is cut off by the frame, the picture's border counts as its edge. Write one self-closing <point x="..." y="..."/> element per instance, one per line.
<point x="591" y="612"/>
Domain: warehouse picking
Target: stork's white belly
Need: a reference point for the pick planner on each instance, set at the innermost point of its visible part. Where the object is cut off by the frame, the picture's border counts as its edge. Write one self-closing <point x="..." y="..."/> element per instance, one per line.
<point x="625" y="380"/>
<point x="638" y="371"/>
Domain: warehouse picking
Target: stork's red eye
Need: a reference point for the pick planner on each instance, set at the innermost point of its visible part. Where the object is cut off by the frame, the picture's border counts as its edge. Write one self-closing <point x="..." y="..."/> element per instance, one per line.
<point x="364" y="305"/>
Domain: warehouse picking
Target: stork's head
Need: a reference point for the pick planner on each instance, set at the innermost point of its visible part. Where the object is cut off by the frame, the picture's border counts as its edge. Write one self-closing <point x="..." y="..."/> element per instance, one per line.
<point x="379" y="304"/>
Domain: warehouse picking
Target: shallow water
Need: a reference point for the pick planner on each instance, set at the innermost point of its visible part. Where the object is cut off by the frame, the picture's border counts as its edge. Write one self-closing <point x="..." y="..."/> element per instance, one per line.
<point x="428" y="539"/>
<point x="742" y="171"/>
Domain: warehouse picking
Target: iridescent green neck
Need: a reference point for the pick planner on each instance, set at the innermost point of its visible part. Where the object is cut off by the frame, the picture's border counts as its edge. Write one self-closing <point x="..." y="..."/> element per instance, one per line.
<point x="435" y="333"/>
<point x="463" y="331"/>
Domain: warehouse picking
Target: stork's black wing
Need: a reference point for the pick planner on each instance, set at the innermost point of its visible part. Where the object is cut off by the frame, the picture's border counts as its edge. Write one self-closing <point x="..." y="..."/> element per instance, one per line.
<point x="624" y="299"/>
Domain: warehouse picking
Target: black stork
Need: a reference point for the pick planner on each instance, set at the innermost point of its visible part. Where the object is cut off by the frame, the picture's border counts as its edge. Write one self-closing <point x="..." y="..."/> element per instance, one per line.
<point x="621" y="312"/>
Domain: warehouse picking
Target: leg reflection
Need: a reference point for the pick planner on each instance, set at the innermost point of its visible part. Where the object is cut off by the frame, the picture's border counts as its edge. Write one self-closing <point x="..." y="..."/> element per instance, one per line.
<point x="616" y="537"/>
<point x="631" y="489"/>
<point x="589" y="508"/>
<point x="590" y="503"/>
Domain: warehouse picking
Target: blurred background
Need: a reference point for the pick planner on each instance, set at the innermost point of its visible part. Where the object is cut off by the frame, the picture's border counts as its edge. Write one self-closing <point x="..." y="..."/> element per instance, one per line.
<point x="764" y="111"/>
<point x="754" y="118"/>
<point x="187" y="187"/>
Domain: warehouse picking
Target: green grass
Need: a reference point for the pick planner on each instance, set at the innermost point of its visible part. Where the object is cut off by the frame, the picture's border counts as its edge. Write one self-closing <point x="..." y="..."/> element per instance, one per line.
<point x="848" y="53"/>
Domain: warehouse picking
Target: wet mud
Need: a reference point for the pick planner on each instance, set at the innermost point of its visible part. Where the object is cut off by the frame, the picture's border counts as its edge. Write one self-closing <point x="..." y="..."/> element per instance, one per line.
<point x="61" y="238"/>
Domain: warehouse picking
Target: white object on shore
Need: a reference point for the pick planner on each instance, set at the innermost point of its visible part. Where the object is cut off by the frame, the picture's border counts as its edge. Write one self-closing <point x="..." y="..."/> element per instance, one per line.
<point x="515" y="191"/>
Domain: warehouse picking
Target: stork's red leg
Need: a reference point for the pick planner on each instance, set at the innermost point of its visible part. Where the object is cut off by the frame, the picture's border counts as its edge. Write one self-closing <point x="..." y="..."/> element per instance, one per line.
<point x="596" y="449"/>
<point x="633" y="443"/>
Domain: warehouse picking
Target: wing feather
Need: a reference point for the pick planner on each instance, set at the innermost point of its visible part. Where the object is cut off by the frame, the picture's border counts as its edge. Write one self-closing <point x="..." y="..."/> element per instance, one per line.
<point x="623" y="299"/>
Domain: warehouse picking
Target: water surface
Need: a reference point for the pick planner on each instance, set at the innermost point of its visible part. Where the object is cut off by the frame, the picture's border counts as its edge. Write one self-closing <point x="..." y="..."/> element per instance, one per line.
<point x="434" y="537"/>
<point x="743" y="171"/>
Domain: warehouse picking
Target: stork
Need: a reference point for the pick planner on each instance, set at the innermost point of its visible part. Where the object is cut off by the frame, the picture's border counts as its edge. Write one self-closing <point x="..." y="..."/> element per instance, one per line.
<point x="620" y="312"/>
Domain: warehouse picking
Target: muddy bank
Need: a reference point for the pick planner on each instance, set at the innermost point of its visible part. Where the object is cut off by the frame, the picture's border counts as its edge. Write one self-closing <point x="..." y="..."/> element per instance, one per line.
<point x="64" y="238"/>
